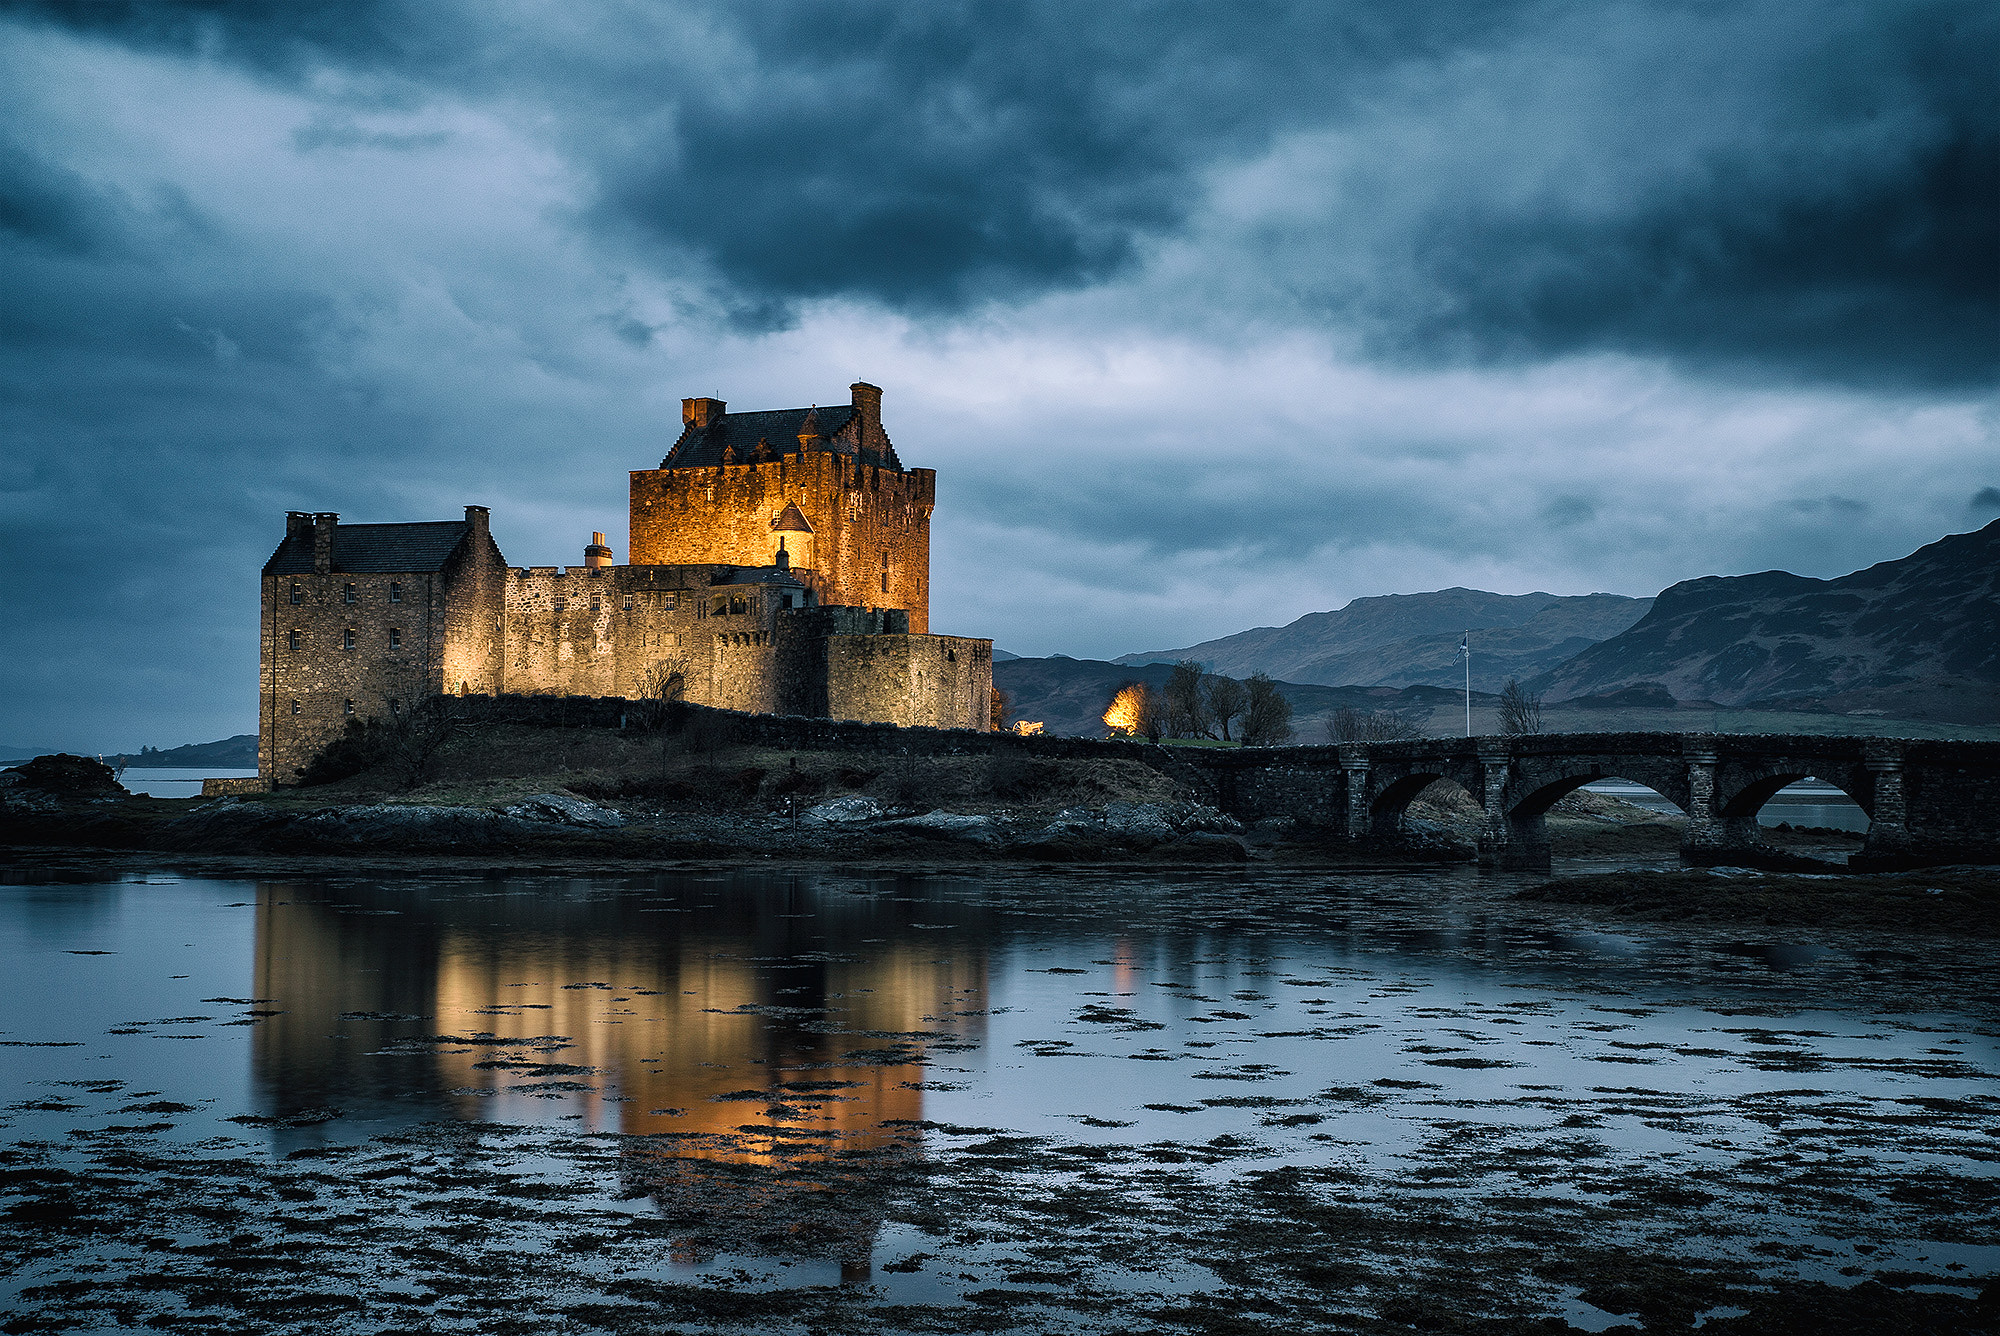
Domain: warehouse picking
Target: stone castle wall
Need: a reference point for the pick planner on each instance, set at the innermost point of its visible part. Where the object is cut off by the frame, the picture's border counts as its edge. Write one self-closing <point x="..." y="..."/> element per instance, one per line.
<point x="868" y="522"/>
<point x="316" y="681"/>
<point x="943" y="681"/>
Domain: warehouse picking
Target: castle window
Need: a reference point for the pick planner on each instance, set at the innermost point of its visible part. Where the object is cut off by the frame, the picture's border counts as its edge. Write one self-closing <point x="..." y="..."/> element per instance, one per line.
<point x="670" y="601"/>
<point x="298" y="595"/>
<point x="594" y="604"/>
<point x="347" y="594"/>
<point x="395" y="591"/>
<point x="295" y="707"/>
<point x="628" y="603"/>
<point x="347" y="707"/>
<point x="395" y="638"/>
<point x="347" y="639"/>
<point x="295" y="639"/>
<point x="561" y="604"/>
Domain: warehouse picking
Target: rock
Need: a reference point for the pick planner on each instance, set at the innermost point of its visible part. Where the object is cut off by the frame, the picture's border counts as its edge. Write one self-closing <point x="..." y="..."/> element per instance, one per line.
<point x="566" y="809"/>
<point x="848" y="811"/>
<point x="68" y="777"/>
<point x="949" y="826"/>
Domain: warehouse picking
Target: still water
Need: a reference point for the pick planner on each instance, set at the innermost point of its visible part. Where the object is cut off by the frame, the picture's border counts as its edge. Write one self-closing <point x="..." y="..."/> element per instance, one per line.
<point x="1809" y="802"/>
<point x="178" y="782"/>
<point x="1418" y="1038"/>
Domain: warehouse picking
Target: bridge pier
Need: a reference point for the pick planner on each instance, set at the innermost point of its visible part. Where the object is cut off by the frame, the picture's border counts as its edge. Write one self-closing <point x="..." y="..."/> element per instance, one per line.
<point x="1509" y="842"/>
<point x="1354" y="771"/>
<point x="1714" y="837"/>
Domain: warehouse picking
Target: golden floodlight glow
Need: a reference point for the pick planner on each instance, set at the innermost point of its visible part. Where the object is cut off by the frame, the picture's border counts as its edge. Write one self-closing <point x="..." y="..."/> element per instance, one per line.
<point x="1027" y="728"/>
<point x="1126" y="710"/>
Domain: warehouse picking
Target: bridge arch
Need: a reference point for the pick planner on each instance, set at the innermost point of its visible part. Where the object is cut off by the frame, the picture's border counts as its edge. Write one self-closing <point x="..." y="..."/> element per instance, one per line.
<point x="1749" y="798"/>
<point x="1393" y="799"/>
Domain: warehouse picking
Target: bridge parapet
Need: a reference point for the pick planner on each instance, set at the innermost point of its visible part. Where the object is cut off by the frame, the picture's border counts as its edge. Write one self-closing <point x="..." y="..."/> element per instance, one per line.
<point x="1928" y="801"/>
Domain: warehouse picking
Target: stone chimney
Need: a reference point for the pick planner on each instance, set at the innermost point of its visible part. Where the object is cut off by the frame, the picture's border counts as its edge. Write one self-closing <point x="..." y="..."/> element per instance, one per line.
<point x="867" y="402"/>
<point x="324" y="525"/>
<point x="478" y="517"/>
<point x="598" y="553"/>
<point x="298" y="523"/>
<point x="701" y="412"/>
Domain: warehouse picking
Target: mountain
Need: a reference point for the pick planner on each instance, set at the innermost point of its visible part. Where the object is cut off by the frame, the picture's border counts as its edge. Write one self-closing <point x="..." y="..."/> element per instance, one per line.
<point x="237" y="753"/>
<point x="1399" y="640"/>
<point x="1927" y="624"/>
<point x="1068" y="696"/>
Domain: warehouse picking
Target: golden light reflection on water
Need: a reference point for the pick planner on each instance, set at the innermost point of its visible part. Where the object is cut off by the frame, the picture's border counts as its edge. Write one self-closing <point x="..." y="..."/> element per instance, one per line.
<point x="758" y="1034"/>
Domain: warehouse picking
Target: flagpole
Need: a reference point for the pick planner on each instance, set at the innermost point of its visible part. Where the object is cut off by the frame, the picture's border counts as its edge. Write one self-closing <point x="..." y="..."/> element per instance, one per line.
<point x="1468" y="682"/>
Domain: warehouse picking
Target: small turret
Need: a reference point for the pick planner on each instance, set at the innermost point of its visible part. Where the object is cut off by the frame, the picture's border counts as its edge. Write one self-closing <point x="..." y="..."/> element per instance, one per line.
<point x="810" y="435"/>
<point x="598" y="553"/>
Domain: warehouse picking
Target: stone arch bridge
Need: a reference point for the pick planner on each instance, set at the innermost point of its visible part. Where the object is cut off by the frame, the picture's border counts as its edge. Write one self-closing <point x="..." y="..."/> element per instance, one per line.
<point x="1927" y="802"/>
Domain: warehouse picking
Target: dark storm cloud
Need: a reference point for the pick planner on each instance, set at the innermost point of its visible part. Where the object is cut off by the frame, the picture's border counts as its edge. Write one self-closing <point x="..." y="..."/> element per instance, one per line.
<point x="1805" y="189"/>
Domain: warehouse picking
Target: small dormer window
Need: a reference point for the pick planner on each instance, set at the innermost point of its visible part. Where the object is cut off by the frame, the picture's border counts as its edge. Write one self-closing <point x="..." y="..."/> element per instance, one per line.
<point x="395" y="591"/>
<point x="347" y="594"/>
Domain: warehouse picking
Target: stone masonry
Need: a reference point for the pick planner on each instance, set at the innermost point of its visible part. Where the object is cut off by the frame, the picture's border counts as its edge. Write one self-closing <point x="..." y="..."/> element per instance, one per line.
<point x="785" y="576"/>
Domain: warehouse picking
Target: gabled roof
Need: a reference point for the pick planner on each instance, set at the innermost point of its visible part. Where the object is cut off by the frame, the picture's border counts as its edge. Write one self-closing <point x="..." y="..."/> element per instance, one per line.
<point x="792" y="520"/>
<point x="374" y="549"/>
<point x="702" y="447"/>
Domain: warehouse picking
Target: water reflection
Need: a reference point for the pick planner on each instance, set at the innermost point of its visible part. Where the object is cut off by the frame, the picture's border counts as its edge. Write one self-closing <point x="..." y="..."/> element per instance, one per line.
<point x="778" y="1026"/>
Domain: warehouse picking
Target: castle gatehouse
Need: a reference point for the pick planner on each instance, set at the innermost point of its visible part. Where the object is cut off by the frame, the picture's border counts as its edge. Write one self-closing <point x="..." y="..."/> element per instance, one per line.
<point x="780" y="564"/>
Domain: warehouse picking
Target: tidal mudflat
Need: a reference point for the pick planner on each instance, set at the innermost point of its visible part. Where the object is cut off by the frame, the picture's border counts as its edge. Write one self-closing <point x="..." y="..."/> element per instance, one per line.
<point x="1076" y="1101"/>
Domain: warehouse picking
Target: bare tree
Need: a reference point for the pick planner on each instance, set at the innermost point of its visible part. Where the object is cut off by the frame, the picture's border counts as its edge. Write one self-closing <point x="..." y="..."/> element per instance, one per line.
<point x="1226" y="700"/>
<point x="1187" y="713"/>
<point x="662" y="685"/>
<point x="1520" y="709"/>
<point x="1000" y="711"/>
<point x="418" y="734"/>
<point x="1267" y="716"/>
<point x="1349" y="724"/>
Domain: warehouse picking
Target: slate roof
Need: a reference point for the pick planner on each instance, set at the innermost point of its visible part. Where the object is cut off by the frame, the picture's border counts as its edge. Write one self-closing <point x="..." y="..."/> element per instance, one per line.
<point x="792" y="520"/>
<point x="764" y="575"/>
<point x="374" y="549"/>
<point x="702" y="447"/>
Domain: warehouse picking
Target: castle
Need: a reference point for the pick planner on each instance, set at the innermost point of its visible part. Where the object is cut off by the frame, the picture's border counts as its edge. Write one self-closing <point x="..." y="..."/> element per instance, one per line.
<point x="780" y="563"/>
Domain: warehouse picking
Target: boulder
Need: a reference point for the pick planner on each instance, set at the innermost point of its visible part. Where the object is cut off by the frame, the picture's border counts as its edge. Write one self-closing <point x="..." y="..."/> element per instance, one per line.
<point x="948" y="826"/>
<point x="849" y="811"/>
<point x="565" y="809"/>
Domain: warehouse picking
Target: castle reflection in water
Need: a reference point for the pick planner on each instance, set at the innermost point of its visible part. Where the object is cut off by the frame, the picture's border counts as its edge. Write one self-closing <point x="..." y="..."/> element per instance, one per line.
<point x="774" y="1022"/>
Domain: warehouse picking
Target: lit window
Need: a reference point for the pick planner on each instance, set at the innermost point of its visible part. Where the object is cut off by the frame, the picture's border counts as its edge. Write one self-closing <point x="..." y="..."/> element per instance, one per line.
<point x="885" y="572"/>
<point x="347" y="640"/>
<point x="295" y="640"/>
<point x="395" y="591"/>
<point x="628" y="603"/>
<point x="347" y="707"/>
<point x="561" y="604"/>
<point x="593" y="605"/>
<point x="295" y="707"/>
<point x="298" y="596"/>
<point x="395" y="638"/>
<point x="347" y="594"/>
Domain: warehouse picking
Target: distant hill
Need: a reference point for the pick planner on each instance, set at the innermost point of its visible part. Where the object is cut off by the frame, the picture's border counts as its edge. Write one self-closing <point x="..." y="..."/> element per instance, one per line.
<point x="1067" y="696"/>
<point x="1921" y="633"/>
<point x="237" y="753"/>
<point x="1400" y="640"/>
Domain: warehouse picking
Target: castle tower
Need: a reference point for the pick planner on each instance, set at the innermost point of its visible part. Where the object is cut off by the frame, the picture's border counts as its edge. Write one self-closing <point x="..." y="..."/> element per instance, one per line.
<point x="824" y="482"/>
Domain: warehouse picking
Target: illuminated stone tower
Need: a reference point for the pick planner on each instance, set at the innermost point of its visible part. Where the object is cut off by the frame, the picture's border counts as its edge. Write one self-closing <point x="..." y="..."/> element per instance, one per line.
<point x="823" y="483"/>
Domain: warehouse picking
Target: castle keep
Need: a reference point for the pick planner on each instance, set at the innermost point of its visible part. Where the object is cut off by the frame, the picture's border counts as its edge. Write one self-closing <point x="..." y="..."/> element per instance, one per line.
<point x="780" y="563"/>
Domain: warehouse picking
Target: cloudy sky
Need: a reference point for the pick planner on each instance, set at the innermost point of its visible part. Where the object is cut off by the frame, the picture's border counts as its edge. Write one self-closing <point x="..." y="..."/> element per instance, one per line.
<point x="1207" y="314"/>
